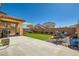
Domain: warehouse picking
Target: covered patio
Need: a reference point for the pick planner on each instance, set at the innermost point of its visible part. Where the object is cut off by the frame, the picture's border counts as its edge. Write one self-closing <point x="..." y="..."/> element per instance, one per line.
<point x="12" y="23"/>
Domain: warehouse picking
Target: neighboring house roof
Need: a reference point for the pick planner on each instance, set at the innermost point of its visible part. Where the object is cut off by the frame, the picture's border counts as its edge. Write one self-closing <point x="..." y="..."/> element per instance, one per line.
<point x="74" y="25"/>
<point x="4" y="15"/>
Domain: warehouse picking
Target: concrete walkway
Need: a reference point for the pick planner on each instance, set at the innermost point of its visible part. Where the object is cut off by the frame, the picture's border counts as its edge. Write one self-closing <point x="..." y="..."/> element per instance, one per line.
<point x="25" y="46"/>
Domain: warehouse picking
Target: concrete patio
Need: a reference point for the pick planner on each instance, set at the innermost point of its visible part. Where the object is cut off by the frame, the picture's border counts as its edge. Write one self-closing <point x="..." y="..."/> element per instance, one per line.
<point x="26" y="46"/>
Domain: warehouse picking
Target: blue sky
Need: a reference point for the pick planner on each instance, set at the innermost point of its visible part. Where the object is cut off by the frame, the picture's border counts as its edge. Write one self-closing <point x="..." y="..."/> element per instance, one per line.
<point x="61" y="14"/>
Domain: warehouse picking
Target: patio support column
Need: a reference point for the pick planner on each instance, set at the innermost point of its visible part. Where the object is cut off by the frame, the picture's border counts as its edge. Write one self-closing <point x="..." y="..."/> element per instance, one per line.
<point x="21" y="31"/>
<point x="19" y="28"/>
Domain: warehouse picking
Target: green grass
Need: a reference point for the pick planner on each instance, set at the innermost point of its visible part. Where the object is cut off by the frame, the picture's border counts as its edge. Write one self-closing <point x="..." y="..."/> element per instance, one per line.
<point x="38" y="36"/>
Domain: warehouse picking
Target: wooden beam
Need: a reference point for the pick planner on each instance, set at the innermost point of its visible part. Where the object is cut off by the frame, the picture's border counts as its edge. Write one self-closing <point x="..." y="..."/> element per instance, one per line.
<point x="9" y="20"/>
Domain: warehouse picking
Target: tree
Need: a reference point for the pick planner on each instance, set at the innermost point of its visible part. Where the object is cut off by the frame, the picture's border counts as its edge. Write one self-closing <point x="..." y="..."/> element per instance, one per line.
<point x="49" y="25"/>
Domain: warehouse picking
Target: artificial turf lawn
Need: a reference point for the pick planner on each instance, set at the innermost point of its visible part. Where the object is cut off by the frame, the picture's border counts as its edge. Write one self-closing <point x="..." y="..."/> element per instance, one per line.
<point x="38" y="36"/>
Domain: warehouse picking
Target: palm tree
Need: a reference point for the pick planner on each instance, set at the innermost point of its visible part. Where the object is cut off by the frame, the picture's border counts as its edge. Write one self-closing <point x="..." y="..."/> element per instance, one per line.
<point x="0" y="5"/>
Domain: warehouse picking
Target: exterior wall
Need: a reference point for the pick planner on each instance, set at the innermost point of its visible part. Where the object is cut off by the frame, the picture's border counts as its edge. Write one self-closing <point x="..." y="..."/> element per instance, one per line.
<point x="51" y="31"/>
<point x="69" y="30"/>
<point x="77" y="30"/>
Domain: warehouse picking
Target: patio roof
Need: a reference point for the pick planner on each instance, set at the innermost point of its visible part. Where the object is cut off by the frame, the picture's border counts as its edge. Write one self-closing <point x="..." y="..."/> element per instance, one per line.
<point x="2" y="15"/>
<point x="26" y="23"/>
